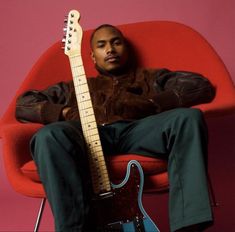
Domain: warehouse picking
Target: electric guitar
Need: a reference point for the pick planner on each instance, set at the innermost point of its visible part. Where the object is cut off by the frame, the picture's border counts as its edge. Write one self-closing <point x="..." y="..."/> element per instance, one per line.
<point x="114" y="207"/>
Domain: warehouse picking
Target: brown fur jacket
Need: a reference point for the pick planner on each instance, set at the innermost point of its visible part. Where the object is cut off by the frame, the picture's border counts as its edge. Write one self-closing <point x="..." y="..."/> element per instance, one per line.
<point x="128" y="97"/>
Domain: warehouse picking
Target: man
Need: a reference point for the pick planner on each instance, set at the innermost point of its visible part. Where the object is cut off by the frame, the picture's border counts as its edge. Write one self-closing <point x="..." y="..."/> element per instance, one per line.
<point x="128" y="102"/>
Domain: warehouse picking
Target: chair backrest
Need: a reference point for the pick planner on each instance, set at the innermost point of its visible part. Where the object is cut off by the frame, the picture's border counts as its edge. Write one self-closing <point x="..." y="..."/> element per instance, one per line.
<point x="158" y="44"/>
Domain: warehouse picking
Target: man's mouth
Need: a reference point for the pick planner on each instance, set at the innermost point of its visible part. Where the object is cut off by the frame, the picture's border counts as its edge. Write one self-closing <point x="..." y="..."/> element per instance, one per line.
<point x="112" y="58"/>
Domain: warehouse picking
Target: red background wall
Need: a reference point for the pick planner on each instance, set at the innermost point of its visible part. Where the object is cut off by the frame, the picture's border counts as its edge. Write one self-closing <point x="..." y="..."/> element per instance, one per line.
<point x="29" y="27"/>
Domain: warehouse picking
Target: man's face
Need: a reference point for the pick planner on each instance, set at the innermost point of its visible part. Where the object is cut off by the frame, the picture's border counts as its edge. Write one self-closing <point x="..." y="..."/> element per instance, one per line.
<point x="109" y="50"/>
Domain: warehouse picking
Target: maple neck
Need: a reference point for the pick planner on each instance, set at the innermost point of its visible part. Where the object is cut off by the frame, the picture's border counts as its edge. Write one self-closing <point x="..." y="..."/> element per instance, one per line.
<point x="100" y="178"/>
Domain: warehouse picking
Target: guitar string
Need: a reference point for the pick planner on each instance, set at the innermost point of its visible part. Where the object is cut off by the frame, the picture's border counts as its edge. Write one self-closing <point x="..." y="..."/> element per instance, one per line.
<point x="91" y="133"/>
<point x="83" y="106"/>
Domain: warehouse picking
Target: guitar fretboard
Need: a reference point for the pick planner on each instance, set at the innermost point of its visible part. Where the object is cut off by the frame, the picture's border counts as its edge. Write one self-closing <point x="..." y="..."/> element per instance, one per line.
<point x="99" y="173"/>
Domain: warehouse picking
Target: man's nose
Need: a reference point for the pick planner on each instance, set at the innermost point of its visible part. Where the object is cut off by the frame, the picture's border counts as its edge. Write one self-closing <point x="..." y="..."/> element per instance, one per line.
<point x="110" y="48"/>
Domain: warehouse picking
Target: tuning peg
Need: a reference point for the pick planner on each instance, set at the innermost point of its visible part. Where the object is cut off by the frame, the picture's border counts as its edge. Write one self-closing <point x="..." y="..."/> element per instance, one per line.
<point x="63" y="40"/>
<point x="65" y="29"/>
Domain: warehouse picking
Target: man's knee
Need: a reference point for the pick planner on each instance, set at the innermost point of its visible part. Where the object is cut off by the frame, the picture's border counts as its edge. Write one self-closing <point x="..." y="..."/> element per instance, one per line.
<point x="58" y="130"/>
<point x="186" y="119"/>
<point x="58" y="135"/>
<point x="191" y="114"/>
<point x="178" y="117"/>
<point x="190" y="120"/>
<point x="49" y="133"/>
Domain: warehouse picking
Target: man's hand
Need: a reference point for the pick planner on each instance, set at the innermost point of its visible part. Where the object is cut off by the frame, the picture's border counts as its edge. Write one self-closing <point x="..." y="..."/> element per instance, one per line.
<point x="70" y="113"/>
<point x="65" y="112"/>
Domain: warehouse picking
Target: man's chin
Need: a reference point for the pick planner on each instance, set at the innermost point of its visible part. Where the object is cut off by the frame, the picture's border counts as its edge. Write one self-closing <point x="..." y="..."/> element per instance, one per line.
<point x="113" y="67"/>
<point x="116" y="71"/>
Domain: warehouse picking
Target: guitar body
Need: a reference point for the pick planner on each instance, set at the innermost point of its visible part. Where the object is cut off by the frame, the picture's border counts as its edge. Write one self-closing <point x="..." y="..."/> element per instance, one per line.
<point x="122" y="209"/>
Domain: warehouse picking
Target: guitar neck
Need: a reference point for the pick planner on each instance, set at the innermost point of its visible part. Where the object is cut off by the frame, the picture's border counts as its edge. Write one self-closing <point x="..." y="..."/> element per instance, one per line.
<point x="99" y="173"/>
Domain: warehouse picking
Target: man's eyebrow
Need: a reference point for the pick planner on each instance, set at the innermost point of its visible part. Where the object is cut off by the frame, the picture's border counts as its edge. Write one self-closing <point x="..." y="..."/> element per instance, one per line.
<point x="112" y="39"/>
<point x="100" y="41"/>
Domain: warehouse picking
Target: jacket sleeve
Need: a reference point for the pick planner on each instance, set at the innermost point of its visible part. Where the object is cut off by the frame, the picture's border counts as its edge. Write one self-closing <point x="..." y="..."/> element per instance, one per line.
<point x="181" y="89"/>
<point x="43" y="106"/>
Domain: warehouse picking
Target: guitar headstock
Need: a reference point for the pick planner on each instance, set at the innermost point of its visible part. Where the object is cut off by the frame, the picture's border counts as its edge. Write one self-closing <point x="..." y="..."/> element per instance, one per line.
<point x="73" y="36"/>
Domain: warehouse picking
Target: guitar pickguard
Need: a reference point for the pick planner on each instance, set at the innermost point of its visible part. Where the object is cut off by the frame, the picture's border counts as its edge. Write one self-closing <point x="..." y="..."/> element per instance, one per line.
<point x="122" y="209"/>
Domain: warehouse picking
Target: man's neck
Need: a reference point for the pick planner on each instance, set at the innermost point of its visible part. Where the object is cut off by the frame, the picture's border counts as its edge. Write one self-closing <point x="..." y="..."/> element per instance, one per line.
<point x="115" y="73"/>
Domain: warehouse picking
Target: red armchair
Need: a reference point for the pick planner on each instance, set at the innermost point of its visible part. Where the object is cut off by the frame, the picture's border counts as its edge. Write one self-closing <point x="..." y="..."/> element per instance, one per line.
<point x="158" y="44"/>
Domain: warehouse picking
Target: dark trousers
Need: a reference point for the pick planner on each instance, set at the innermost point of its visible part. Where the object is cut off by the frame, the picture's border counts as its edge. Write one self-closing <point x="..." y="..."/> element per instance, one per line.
<point x="178" y="135"/>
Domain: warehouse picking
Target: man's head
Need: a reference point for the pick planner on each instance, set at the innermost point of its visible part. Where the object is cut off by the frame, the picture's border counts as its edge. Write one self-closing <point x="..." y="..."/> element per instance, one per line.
<point x="109" y="49"/>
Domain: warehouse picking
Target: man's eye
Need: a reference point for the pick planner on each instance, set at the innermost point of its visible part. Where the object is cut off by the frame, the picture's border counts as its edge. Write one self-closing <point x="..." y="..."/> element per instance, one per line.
<point x="100" y="45"/>
<point x="117" y="42"/>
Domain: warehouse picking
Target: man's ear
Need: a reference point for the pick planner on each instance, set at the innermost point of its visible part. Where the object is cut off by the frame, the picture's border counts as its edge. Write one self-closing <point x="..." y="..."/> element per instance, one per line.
<point x="93" y="57"/>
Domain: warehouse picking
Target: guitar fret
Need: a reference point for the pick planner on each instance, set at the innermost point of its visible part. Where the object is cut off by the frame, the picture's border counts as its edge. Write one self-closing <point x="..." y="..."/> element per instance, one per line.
<point x="103" y="183"/>
<point x="100" y="168"/>
<point x="85" y="105"/>
<point x="82" y="88"/>
<point x="90" y="132"/>
<point x="90" y="118"/>
<point x="78" y="71"/>
<point x="80" y="81"/>
<point x="90" y="126"/>
<point x="97" y="154"/>
<point x="83" y="97"/>
<point x="85" y="113"/>
<point x="93" y="138"/>
<point x="101" y="180"/>
<point x="83" y="100"/>
<point x="94" y="144"/>
<point x="87" y="110"/>
<point x="98" y="162"/>
<point x="96" y="149"/>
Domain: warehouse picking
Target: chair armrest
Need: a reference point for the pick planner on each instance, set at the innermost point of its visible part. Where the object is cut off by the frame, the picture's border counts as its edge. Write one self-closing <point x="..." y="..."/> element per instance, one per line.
<point x="16" y="152"/>
<point x="16" y="138"/>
